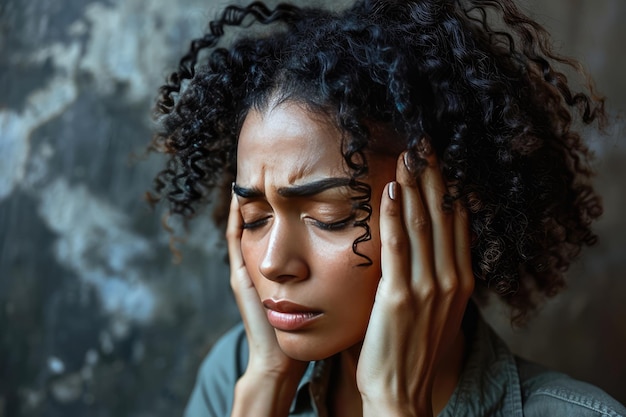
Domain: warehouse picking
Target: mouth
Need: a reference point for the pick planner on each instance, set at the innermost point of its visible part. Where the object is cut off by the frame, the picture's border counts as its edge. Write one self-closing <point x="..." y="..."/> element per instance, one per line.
<point x="287" y="316"/>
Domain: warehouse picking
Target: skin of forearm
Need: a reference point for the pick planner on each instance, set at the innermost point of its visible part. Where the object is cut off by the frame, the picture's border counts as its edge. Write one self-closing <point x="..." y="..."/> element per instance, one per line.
<point x="379" y="407"/>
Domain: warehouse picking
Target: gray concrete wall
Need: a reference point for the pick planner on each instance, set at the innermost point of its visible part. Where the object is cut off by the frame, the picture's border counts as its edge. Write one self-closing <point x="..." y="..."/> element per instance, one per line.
<point x="95" y="319"/>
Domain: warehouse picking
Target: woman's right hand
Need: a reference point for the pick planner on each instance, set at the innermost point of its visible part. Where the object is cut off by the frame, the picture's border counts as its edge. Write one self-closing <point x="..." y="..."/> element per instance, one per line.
<point x="271" y="377"/>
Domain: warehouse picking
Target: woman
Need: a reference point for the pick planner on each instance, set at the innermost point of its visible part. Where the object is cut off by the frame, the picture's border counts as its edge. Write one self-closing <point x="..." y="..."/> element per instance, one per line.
<point x="381" y="163"/>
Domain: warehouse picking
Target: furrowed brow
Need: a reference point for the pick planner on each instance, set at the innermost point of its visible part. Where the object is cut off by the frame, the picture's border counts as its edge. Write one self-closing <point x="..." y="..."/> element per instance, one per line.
<point x="247" y="192"/>
<point x="301" y="190"/>
<point x="313" y="188"/>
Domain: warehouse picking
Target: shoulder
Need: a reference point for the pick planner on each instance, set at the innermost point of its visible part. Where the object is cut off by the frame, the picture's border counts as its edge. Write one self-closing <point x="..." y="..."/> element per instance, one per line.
<point x="546" y="392"/>
<point x="228" y="357"/>
<point x="212" y="394"/>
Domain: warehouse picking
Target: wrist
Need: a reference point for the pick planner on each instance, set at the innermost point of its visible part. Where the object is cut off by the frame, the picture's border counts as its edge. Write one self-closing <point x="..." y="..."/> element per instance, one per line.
<point x="269" y="393"/>
<point x="261" y="372"/>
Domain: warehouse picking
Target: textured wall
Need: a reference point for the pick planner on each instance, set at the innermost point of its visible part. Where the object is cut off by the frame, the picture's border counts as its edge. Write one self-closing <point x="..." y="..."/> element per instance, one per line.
<point x="94" y="317"/>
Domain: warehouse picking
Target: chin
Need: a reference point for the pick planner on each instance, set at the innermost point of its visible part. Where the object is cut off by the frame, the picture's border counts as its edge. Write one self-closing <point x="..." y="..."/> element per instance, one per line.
<point x="306" y="348"/>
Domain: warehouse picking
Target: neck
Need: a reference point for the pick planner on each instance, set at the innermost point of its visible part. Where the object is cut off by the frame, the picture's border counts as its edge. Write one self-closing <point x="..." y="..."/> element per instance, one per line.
<point x="345" y="400"/>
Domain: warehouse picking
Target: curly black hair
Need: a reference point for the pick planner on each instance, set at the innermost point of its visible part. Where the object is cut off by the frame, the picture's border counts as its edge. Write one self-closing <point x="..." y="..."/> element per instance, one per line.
<point x="478" y="77"/>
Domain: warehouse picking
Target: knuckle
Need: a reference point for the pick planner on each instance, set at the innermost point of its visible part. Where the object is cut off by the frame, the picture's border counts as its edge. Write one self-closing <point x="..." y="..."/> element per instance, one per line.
<point x="426" y="292"/>
<point x="232" y="234"/>
<point x="394" y="298"/>
<point x="233" y="284"/>
<point x="234" y="280"/>
<point x="449" y="286"/>
<point x="421" y="224"/>
<point x="395" y="243"/>
<point x="398" y="301"/>
<point x="237" y="282"/>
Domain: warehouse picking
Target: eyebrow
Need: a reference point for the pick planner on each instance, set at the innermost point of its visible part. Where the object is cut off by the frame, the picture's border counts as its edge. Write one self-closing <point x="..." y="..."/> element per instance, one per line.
<point x="300" y="190"/>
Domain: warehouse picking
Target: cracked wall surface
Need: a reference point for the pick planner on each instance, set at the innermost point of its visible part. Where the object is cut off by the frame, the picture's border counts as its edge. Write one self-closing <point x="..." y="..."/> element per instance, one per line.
<point x="95" y="318"/>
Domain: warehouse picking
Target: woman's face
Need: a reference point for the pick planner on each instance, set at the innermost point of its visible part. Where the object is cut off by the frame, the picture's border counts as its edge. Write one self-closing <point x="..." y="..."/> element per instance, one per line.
<point x="298" y="230"/>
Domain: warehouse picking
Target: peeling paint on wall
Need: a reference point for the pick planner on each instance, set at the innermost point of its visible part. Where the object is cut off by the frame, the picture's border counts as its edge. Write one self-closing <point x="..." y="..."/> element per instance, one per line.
<point x="95" y="243"/>
<point x="16" y="129"/>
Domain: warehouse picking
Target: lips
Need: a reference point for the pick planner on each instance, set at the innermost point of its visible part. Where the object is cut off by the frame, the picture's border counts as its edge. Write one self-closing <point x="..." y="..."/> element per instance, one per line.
<point x="287" y="316"/>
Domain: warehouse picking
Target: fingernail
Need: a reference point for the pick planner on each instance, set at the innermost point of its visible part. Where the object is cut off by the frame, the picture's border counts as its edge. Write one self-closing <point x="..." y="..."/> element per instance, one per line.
<point x="391" y="189"/>
<point x="409" y="163"/>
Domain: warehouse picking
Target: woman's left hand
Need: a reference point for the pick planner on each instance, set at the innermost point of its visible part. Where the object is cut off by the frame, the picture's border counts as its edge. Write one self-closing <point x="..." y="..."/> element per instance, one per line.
<point x="426" y="283"/>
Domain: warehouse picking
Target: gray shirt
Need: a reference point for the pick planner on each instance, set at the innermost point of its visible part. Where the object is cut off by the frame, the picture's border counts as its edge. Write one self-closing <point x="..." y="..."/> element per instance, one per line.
<point x="493" y="382"/>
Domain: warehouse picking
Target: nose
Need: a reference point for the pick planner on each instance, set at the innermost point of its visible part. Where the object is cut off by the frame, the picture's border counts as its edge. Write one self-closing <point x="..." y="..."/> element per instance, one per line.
<point x="285" y="253"/>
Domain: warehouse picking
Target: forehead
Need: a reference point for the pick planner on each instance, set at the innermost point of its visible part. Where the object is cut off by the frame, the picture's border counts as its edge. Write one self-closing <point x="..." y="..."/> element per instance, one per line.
<point x="285" y="143"/>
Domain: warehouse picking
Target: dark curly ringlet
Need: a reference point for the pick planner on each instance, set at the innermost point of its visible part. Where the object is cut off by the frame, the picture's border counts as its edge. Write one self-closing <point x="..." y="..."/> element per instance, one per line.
<point x="478" y="77"/>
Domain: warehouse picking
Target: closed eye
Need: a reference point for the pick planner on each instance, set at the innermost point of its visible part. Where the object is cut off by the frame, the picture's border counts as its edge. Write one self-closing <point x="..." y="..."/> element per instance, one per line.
<point x="255" y="224"/>
<point x="335" y="226"/>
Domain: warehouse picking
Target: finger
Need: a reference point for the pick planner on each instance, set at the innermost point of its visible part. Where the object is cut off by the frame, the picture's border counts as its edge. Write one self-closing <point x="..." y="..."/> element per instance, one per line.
<point x="433" y="188"/>
<point x="393" y="292"/>
<point x="233" y="236"/>
<point x="418" y="225"/>
<point x="250" y="307"/>
<point x="463" y="249"/>
<point x="395" y="245"/>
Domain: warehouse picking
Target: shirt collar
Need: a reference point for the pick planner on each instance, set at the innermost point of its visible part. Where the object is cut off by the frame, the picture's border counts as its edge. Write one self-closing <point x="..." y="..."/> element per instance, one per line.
<point x="313" y="388"/>
<point x="489" y="383"/>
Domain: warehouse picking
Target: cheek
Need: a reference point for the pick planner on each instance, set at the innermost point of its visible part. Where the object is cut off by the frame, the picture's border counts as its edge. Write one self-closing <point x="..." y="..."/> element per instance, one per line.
<point x="337" y="257"/>
<point x="344" y="275"/>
